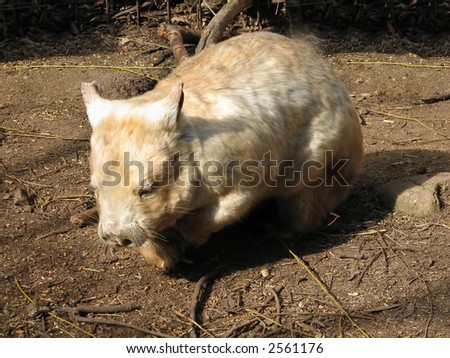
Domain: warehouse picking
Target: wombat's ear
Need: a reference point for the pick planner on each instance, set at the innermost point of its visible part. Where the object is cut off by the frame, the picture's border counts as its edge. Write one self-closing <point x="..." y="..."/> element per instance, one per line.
<point x="174" y="103"/>
<point x="97" y="107"/>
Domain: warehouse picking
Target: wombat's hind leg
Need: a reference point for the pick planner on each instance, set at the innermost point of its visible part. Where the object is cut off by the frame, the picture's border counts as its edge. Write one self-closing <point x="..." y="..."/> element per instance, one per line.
<point x="306" y="210"/>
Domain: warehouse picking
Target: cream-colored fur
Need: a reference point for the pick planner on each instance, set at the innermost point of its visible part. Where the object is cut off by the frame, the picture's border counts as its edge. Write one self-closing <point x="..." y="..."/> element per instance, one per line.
<point x="250" y="98"/>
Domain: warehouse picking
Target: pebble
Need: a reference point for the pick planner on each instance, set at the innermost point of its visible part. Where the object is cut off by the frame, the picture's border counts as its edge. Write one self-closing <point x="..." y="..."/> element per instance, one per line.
<point x="265" y="273"/>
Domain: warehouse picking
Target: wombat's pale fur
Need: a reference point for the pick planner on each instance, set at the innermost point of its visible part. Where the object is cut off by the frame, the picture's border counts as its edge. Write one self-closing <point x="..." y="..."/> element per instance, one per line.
<point x="257" y="116"/>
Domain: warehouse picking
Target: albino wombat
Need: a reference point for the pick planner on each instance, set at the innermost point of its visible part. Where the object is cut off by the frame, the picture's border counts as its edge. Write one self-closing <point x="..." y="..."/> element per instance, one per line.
<point x="256" y="116"/>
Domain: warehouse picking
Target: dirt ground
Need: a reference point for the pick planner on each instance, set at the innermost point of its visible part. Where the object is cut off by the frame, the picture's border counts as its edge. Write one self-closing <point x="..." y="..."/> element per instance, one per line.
<point x="389" y="272"/>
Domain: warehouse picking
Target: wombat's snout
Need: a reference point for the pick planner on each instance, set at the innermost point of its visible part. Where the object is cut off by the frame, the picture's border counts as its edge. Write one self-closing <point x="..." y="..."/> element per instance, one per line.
<point x="110" y="237"/>
<point x="161" y="250"/>
<point x="116" y="240"/>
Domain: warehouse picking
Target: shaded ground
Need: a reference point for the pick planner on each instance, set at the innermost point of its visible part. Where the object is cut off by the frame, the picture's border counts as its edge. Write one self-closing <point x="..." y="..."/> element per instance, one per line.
<point x="390" y="272"/>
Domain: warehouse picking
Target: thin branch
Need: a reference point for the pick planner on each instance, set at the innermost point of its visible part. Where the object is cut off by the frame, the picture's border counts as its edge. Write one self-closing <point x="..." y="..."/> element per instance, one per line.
<point x="195" y="324"/>
<point x="111" y="322"/>
<point x="260" y="315"/>
<point x="277" y="304"/>
<point x="129" y="69"/>
<point x="370" y="263"/>
<point x="383" y="308"/>
<point x="81" y="309"/>
<point x="214" y="31"/>
<point x="232" y="330"/>
<point x="56" y="232"/>
<point x="437" y="98"/>
<point x="67" y="197"/>
<point x="326" y="290"/>
<point x="54" y="315"/>
<point x="21" y="133"/>
<point x="196" y="296"/>
<point x="407" y="119"/>
<point x="396" y="64"/>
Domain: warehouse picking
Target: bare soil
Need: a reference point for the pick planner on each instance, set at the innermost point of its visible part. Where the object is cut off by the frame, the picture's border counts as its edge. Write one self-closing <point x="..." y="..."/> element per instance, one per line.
<point x="389" y="272"/>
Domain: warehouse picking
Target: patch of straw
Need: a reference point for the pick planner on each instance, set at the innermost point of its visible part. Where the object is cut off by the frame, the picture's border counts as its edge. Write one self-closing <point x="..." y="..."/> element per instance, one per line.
<point x="51" y="313"/>
<point x="386" y="63"/>
<point x="405" y="118"/>
<point x="327" y="291"/>
<point x="129" y="69"/>
<point x="21" y="133"/>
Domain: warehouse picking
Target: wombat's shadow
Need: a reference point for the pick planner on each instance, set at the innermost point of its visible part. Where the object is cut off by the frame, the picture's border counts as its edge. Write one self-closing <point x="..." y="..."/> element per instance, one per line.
<point x="257" y="240"/>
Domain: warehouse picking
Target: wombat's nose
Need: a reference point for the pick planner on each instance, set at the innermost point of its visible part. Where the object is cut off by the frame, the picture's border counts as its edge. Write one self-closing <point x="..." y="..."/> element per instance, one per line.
<point x="116" y="240"/>
<point x="123" y="242"/>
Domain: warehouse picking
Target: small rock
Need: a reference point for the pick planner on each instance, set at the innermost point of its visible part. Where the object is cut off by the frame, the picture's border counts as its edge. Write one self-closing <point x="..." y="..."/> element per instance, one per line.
<point x="265" y="273"/>
<point x="417" y="195"/>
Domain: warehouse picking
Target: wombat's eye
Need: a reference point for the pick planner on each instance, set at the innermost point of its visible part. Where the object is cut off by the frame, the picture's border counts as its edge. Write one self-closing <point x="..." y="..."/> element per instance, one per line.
<point x="146" y="189"/>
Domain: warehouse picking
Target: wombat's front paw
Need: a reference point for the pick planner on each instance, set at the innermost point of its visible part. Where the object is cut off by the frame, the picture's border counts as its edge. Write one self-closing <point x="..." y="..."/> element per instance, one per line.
<point x="165" y="251"/>
<point x="150" y="255"/>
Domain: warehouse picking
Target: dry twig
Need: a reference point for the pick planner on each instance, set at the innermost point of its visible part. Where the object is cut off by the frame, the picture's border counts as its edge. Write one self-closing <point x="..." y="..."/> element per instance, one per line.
<point x="277" y="304"/>
<point x="237" y="328"/>
<point x="230" y="333"/>
<point x="427" y="288"/>
<point x="370" y="263"/>
<point x="407" y="119"/>
<point x="25" y="182"/>
<point x="129" y="69"/>
<point x="165" y="54"/>
<point x="326" y="290"/>
<point x="51" y="313"/>
<point x="383" y="308"/>
<point x="111" y="322"/>
<point x="82" y="309"/>
<point x="21" y="133"/>
<point x="135" y="8"/>
<point x="196" y="297"/>
<point x="214" y="31"/>
<point x="56" y="232"/>
<point x="396" y="64"/>
<point x="195" y="324"/>
<point x="66" y="197"/>
<point x="437" y="98"/>
<point x="260" y="315"/>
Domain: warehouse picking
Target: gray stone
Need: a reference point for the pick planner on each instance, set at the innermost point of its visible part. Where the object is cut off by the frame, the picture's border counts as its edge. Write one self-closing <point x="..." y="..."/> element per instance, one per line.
<point x="416" y="195"/>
